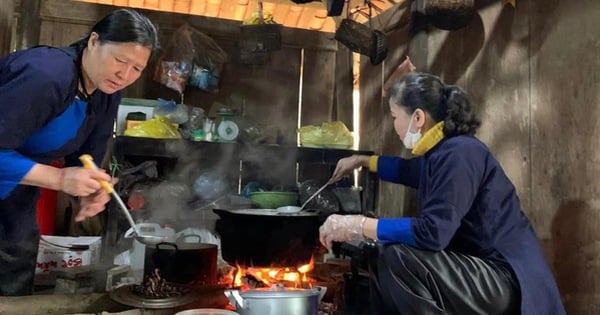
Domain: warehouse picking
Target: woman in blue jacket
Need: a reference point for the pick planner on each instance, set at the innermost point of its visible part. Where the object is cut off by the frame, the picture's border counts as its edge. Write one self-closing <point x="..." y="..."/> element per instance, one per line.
<point x="470" y="249"/>
<point x="60" y="103"/>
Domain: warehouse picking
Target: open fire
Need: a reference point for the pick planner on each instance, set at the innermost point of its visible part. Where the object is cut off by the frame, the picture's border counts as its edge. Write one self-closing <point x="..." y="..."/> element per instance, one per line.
<point x="256" y="277"/>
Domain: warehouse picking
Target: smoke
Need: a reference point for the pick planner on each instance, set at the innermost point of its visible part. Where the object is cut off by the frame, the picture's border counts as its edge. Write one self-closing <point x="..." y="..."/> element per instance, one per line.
<point x="207" y="174"/>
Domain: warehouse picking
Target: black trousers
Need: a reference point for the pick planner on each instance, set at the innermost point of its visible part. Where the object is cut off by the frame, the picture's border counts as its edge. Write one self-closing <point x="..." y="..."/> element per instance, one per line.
<point x="17" y="264"/>
<point x="406" y="280"/>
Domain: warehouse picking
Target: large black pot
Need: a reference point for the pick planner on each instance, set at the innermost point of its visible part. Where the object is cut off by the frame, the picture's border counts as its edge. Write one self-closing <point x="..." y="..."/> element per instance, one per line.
<point x="266" y="238"/>
<point x="186" y="263"/>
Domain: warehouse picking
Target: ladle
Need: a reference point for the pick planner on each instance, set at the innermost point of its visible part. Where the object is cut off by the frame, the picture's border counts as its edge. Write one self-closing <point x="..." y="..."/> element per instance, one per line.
<point x="294" y="209"/>
<point x="88" y="162"/>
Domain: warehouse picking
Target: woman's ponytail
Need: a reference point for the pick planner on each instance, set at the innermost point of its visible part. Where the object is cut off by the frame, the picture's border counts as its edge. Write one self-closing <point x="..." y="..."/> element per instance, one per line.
<point x="460" y="118"/>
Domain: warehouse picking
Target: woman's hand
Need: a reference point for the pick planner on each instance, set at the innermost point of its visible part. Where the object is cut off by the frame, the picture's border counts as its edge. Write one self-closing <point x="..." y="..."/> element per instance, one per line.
<point x="94" y="203"/>
<point x="82" y="182"/>
<point x="347" y="165"/>
<point x="342" y="228"/>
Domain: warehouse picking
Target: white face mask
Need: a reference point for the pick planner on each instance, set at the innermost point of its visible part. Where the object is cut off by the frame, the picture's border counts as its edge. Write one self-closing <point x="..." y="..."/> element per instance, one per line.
<point x="411" y="138"/>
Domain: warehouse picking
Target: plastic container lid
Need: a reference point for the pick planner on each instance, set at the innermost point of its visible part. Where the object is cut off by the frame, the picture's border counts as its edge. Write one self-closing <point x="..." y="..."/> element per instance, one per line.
<point x="207" y="311"/>
<point x="136" y="116"/>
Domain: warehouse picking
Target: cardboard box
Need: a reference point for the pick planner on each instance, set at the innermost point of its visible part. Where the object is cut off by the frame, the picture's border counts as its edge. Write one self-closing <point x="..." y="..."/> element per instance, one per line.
<point x="129" y="105"/>
<point x="62" y="252"/>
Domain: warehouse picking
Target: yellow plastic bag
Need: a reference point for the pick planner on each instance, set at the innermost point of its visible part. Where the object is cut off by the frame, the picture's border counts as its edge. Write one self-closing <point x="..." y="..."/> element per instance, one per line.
<point x="157" y="127"/>
<point x="333" y="134"/>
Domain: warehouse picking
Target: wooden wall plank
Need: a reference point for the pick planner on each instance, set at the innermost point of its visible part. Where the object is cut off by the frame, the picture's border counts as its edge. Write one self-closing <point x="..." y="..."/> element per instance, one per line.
<point x="564" y="104"/>
<point x="7" y="10"/>
<point x="317" y="88"/>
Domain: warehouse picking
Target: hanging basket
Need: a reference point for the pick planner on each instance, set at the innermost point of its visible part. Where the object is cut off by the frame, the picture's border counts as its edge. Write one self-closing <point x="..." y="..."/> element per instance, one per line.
<point x="253" y="57"/>
<point x="261" y="37"/>
<point x="449" y="15"/>
<point x="361" y="39"/>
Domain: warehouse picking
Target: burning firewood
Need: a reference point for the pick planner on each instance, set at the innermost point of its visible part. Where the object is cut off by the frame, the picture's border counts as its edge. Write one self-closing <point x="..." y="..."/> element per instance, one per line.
<point x="156" y="287"/>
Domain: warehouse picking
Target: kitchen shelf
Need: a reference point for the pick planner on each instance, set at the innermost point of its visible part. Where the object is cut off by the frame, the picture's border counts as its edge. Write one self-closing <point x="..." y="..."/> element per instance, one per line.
<point x="173" y="148"/>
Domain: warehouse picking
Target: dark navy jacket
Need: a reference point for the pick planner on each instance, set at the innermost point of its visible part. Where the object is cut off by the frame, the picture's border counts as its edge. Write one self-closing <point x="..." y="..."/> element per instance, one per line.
<point x="42" y="120"/>
<point x="468" y="205"/>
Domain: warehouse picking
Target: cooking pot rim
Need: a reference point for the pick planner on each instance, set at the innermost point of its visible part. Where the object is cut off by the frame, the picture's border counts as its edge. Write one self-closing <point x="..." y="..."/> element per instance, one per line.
<point x="164" y="246"/>
<point x="267" y="212"/>
<point x="265" y="293"/>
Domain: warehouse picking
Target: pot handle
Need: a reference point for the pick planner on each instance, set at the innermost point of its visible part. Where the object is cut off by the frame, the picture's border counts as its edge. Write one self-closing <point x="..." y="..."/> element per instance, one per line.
<point x="182" y="238"/>
<point x="167" y="244"/>
<point x="321" y="290"/>
<point x="235" y="298"/>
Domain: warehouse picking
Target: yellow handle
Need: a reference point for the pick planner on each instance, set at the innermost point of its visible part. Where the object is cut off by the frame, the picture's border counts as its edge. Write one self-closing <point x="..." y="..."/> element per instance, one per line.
<point x="88" y="162"/>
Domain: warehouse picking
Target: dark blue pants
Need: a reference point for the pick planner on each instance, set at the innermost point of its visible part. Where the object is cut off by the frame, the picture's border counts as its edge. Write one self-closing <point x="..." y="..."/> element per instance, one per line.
<point x="19" y="239"/>
<point x="17" y="265"/>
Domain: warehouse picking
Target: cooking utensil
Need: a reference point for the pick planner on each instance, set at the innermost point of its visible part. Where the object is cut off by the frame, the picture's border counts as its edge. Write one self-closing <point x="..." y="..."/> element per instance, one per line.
<point x="277" y="300"/>
<point x="265" y="237"/>
<point x="296" y="209"/>
<point x="88" y="162"/>
<point x="126" y="295"/>
<point x="315" y="194"/>
<point x="194" y="264"/>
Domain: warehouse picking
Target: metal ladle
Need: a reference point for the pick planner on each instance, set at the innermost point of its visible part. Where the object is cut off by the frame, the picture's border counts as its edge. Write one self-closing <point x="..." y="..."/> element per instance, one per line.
<point x="88" y="162"/>
<point x="295" y="209"/>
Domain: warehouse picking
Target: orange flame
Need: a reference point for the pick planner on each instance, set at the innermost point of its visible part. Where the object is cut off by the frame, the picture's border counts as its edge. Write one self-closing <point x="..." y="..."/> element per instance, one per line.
<point x="298" y="276"/>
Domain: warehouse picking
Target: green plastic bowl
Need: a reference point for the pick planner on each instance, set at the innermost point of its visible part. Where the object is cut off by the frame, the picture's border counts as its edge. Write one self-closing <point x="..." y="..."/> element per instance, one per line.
<point x="274" y="199"/>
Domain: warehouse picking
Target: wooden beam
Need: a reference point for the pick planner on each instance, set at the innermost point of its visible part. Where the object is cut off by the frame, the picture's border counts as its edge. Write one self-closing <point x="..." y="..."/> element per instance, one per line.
<point x="314" y="5"/>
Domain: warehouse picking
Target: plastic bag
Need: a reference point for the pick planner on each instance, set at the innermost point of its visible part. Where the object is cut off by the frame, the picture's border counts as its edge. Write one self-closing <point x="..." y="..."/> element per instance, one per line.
<point x="325" y="201"/>
<point x="329" y="134"/>
<point x="210" y="185"/>
<point x="177" y="113"/>
<point x="191" y="58"/>
<point x="158" y="127"/>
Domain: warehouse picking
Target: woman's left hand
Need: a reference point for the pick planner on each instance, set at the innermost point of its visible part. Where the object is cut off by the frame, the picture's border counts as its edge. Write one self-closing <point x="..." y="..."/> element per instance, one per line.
<point x="341" y="228"/>
<point x="93" y="204"/>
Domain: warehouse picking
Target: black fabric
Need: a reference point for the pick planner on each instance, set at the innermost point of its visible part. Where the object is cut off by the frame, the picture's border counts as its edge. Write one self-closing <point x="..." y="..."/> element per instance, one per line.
<point x="406" y="280"/>
<point x="17" y="265"/>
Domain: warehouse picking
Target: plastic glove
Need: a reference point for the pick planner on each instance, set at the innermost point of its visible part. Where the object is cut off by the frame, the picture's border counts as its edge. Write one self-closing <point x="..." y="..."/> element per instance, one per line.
<point x="342" y="228"/>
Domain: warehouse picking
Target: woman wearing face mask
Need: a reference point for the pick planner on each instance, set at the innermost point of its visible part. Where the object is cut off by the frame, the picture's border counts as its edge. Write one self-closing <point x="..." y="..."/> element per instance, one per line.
<point x="470" y="249"/>
<point x="60" y="103"/>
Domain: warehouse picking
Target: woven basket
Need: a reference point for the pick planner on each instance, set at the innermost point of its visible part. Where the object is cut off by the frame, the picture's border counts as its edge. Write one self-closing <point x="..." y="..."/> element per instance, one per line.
<point x="261" y="37"/>
<point x="357" y="37"/>
<point x="248" y="57"/>
<point x="380" y="47"/>
<point x="450" y="14"/>
<point x="361" y="39"/>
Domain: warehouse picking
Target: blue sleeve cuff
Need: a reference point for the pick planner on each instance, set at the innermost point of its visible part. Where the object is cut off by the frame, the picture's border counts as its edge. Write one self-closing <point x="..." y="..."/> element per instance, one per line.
<point x="395" y="231"/>
<point x="13" y="167"/>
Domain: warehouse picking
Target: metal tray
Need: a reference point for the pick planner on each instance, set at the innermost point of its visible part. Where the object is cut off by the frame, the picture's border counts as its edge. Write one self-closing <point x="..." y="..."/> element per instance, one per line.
<point x="126" y="296"/>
